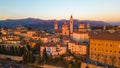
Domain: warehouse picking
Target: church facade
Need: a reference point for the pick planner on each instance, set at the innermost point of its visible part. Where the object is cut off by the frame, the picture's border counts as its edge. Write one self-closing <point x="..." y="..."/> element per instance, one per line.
<point x="80" y="35"/>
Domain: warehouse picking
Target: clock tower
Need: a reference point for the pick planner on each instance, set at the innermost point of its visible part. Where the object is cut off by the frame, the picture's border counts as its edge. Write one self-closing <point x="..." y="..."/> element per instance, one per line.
<point x="71" y="24"/>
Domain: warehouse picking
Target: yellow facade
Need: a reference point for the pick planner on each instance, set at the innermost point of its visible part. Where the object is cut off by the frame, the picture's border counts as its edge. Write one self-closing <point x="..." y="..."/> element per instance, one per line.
<point x="65" y="30"/>
<point x="105" y="51"/>
<point x="81" y="36"/>
<point x="81" y="26"/>
<point x="3" y="31"/>
<point x="30" y="33"/>
<point x="78" y="49"/>
<point x="10" y="40"/>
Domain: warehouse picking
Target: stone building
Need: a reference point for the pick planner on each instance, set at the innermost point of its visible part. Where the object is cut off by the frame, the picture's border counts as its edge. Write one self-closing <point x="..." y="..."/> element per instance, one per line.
<point x="105" y="48"/>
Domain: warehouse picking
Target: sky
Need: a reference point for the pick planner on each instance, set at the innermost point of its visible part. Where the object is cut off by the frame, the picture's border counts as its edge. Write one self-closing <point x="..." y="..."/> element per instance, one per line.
<point x="103" y="10"/>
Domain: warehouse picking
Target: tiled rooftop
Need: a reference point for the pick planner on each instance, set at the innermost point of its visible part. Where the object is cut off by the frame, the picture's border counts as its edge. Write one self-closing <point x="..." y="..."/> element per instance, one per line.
<point x="106" y="36"/>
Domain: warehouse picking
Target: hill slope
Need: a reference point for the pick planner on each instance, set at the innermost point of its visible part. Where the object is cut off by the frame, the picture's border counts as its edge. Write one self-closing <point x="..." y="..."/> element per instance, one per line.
<point x="45" y="24"/>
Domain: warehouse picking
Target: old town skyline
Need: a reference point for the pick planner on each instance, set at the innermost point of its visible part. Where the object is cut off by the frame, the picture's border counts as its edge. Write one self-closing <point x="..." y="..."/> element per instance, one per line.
<point x="32" y="34"/>
<point x="67" y="47"/>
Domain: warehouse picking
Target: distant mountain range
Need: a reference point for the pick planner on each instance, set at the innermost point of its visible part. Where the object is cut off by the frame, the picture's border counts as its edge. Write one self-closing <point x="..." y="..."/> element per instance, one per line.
<point x="47" y="24"/>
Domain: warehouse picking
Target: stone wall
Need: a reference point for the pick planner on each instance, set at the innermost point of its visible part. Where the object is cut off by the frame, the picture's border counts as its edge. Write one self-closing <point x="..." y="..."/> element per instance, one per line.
<point x="15" y="58"/>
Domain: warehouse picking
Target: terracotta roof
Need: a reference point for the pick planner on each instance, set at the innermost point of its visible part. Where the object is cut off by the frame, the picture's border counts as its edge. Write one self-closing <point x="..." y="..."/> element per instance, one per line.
<point x="83" y="28"/>
<point x="55" y="37"/>
<point x="49" y="44"/>
<point x="65" y="38"/>
<point x="46" y="36"/>
<point x="81" y="32"/>
<point x="58" y="31"/>
<point x="77" y="43"/>
<point x="106" y="36"/>
<point x="61" y="45"/>
<point x="52" y="44"/>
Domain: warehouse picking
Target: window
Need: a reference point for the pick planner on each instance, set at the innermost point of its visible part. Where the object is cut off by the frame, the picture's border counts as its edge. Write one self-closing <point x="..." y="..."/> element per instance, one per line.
<point x="95" y="48"/>
<point x="110" y="56"/>
<point x="91" y="48"/>
<point x="95" y="43"/>
<point x="110" y="45"/>
<point x="91" y="54"/>
<point x="114" y="57"/>
<point x="106" y="44"/>
<point x="91" y="43"/>
<point x="98" y="44"/>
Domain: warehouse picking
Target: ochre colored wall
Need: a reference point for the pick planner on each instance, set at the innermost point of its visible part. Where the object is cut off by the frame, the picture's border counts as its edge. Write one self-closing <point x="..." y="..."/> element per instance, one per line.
<point x="105" y="51"/>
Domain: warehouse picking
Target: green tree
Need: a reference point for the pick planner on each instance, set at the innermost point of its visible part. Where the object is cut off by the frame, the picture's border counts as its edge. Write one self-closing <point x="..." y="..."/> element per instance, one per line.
<point x="11" y="50"/>
<point x="25" y="56"/>
<point x="31" y="59"/>
<point x="0" y="49"/>
<point x="21" y="51"/>
<point x="15" y="51"/>
<point x="69" y="65"/>
<point x="37" y="46"/>
<point x="45" y="56"/>
<point x="68" y="52"/>
<point x="39" y="59"/>
<point x="50" y="57"/>
<point x="3" y="49"/>
<point x="30" y="28"/>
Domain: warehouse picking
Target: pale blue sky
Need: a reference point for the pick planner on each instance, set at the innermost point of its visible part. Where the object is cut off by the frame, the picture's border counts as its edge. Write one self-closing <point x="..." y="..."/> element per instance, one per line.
<point x="106" y="10"/>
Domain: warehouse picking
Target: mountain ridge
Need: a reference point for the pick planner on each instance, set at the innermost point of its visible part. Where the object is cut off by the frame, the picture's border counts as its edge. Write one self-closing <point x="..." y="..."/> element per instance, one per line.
<point x="41" y="23"/>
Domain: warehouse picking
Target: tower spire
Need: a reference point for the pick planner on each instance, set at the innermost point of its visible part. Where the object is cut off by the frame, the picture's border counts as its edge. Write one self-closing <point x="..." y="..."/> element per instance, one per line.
<point x="71" y="24"/>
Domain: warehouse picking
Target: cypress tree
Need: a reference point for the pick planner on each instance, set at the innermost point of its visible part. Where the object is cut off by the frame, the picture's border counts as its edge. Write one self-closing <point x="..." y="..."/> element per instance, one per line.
<point x="31" y="57"/>
<point x="39" y="59"/>
<point x="45" y="56"/>
<point x="25" y="57"/>
<point x="50" y="57"/>
<point x="0" y="49"/>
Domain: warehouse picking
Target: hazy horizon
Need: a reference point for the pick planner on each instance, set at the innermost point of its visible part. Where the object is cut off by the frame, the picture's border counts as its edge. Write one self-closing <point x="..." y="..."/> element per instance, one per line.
<point x="61" y="19"/>
<point x="98" y="10"/>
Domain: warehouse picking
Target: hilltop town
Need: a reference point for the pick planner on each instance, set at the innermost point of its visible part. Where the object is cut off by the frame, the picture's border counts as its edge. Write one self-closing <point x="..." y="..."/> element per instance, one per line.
<point x="65" y="47"/>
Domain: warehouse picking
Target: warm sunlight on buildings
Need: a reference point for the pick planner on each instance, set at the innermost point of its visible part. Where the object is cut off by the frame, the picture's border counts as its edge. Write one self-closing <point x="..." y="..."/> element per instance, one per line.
<point x="105" y="48"/>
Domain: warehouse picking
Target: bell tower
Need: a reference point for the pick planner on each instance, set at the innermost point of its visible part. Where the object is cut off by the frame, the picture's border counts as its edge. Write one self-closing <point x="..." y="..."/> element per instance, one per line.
<point x="55" y="25"/>
<point x="71" y="24"/>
